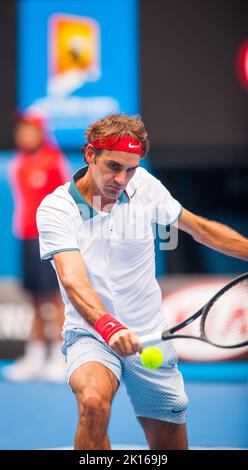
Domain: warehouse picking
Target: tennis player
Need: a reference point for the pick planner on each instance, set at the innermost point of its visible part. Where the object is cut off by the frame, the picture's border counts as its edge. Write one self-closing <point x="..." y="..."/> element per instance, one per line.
<point x="97" y="230"/>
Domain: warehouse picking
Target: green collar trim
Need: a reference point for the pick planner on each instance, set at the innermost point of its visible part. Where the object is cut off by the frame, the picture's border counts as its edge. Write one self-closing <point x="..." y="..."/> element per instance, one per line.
<point x="123" y="197"/>
<point x="85" y="209"/>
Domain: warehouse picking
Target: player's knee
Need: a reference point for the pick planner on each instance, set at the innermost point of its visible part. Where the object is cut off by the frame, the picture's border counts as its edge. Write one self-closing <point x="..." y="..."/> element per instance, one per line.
<point x="92" y="406"/>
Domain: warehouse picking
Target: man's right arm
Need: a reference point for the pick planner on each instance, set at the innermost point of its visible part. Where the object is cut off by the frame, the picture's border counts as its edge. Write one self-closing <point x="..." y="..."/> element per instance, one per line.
<point x="73" y="275"/>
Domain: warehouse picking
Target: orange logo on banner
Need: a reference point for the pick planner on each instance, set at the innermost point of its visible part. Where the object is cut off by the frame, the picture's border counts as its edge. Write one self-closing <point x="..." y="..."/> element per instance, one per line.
<point x="74" y="49"/>
<point x="74" y="60"/>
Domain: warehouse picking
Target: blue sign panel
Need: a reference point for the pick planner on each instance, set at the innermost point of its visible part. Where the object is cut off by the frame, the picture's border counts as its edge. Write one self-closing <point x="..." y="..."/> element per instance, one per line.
<point x="78" y="61"/>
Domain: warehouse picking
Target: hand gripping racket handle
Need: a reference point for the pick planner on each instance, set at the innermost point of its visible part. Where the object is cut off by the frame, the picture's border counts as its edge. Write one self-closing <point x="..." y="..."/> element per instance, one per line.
<point x="151" y="339"/>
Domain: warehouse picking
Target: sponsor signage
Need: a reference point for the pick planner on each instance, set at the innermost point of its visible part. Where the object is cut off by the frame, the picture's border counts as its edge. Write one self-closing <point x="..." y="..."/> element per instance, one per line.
<point x="82" y="65"/>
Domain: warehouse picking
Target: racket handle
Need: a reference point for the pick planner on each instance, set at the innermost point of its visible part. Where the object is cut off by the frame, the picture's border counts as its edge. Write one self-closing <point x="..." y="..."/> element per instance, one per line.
<point x="150" y="339"/>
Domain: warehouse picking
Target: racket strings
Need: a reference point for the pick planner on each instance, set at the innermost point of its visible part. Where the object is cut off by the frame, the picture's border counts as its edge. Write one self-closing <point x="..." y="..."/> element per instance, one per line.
<point x="226" y="323"/>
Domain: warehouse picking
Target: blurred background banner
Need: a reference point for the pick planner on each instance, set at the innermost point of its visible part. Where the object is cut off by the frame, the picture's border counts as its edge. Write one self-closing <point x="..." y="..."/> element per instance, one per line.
<point x="83" y="62"/>
<point x="189" y="296"/>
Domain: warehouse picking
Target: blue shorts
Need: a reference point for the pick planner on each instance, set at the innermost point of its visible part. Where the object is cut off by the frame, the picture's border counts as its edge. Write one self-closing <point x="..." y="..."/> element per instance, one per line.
<point x="157" y="394"/>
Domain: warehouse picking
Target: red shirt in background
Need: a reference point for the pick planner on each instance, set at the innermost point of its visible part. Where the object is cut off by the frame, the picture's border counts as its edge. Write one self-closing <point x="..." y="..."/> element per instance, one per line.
<point x="33" y="176"/>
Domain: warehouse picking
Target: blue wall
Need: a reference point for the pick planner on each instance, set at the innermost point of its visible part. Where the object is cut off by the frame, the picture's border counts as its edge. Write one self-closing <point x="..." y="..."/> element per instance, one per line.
<point x="9" y="246"/>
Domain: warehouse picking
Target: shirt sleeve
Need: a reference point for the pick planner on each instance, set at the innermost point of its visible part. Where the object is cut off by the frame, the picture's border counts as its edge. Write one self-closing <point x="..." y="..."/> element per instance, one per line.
<point x="166" y="209"/>
<point x="56" y="231"/>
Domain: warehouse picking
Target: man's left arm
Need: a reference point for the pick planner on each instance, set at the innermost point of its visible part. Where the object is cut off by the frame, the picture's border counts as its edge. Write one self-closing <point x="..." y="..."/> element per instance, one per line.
<point x="215" y="235"/>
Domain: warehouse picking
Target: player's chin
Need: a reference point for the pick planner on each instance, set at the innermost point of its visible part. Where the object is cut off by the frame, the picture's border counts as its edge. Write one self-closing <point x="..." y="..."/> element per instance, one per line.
<point x="113" y="193"/>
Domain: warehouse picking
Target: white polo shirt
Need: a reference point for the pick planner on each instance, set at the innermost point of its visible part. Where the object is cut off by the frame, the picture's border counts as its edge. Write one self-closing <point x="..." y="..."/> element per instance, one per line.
<point x="117" y="247"/>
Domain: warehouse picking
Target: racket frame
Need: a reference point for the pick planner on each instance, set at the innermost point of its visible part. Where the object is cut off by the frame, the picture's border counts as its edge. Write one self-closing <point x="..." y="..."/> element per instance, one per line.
<point x="203" y="312"/>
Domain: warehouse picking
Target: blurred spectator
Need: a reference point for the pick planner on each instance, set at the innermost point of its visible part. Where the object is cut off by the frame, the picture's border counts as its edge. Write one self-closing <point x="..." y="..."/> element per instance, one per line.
<point x="38" y="168"/>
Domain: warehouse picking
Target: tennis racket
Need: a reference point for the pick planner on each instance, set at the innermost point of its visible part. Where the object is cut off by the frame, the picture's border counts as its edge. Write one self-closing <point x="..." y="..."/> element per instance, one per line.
<point x="223" y="322"/>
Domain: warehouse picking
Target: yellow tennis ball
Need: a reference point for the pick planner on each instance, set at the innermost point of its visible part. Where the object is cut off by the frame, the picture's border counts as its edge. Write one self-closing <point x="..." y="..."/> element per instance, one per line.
<point x="151" y="357"/>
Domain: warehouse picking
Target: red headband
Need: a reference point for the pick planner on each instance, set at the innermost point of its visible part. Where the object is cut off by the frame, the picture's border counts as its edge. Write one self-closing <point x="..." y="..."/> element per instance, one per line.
<point x="124" y="144"/>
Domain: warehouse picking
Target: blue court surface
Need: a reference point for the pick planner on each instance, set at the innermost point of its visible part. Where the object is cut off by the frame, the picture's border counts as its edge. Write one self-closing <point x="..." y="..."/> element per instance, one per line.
<point x="36" y="415"/>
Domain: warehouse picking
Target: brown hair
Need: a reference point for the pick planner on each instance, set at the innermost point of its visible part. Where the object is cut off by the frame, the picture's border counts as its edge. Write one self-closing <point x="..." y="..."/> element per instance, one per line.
<point x="118" y="125"/>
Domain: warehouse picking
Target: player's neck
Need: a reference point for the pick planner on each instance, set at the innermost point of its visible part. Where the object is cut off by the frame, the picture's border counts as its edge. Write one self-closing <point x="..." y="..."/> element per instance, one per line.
<point x="92" y="195"/>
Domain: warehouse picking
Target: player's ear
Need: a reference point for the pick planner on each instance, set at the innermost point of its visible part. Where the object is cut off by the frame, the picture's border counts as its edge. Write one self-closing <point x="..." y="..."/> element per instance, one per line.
<point x="90" y="154"/>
